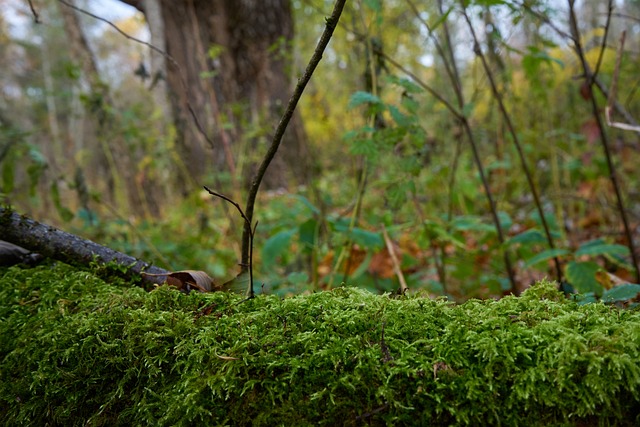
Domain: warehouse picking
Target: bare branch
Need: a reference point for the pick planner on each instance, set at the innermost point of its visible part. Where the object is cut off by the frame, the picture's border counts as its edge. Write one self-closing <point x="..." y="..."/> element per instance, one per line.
<point x="252" y="233"/>
<point x="613" y="176"/>
<point x="514" y="136"/>
<point x="330" y="26"/>
<point x="36" y="17"/>
<point x="612" y="93"/>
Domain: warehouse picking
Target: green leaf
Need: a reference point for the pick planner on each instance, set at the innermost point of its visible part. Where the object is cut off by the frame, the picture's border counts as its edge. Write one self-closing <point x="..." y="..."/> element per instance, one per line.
<point x="307" y="233"/>
<point x="65" y="213"/>
<point x="467" y="109"/>
<point x="582" y="275"/>
<point x="441" y="19"/>
<point x="406" y="84"/>
<point x="410" y="104"/>
<point x="275" y="246"/>
<point x="437" y="232"/>
<point x="545" y="256"/>
<point x="505" y="220"/>
<point x="396" y="195"/>
<point x="528" y="237"/>
<point x="364" y="147"/>
<point x="366" y="239"/>
<point x="621" y="293"/>
<point x="374" y="5"/>
<point x="298" y="278"/>
<point x="489" y="2"/>
<point x="8" y="176"/>
<point x="601" y="248"/>
<point x="400" y="118"/>
<point x="305" y="202"/>
<point x="549" y="218"/>
<point x="471" y="223"/>
<point x="361" y="97"/>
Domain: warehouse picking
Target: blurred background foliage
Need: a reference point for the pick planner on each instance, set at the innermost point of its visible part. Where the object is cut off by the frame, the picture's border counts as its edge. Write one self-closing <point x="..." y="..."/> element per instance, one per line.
<point x="393" y="175"/>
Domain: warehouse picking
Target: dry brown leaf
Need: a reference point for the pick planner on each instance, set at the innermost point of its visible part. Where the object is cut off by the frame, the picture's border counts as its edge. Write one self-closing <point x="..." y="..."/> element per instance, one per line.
<point x="187" y="280"/>
<point x="226" y="357"/>
<point x="608" y="280"/>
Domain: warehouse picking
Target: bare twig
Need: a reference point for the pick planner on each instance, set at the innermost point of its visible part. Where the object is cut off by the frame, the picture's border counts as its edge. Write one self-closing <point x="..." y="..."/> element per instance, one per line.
<point x="514" y="136"/>
<point x="603" y="46"/>
<point x="394" y="260"/>
<point x="613" y="176"/>
<point x="464" y="121"/>
<point x="612" y="93"/>
<point x="603" y="89"/>
<point x="330" y="26"/>
<point x="252" y="231"/>
<point x="36" y="17"/>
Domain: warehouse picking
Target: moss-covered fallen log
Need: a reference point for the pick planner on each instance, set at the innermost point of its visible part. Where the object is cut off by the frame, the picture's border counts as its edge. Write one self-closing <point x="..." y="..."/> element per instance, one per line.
<point x="77" y="351"/>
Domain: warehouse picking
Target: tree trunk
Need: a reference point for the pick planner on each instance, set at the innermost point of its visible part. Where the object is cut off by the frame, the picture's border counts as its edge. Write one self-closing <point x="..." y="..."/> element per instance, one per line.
<point x="157" y="61"/>
<point x="233" y="62"/>
<point x="112" y="165"/>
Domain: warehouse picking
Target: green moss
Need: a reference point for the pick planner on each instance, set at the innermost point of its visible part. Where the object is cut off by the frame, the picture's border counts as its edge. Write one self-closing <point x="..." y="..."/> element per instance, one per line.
<point x="77" y="351"/>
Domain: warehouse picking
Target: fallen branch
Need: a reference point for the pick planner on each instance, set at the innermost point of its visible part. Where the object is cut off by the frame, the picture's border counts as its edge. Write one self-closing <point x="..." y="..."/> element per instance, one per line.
<point x="66" y="247"/>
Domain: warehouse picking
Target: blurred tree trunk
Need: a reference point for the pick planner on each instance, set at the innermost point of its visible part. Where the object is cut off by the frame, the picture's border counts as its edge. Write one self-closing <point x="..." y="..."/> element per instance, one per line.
<point x="158" y="63"/>
<point x="111" y="164"/>
<point x="233" y="71"/>
<point x="98" y="100"/>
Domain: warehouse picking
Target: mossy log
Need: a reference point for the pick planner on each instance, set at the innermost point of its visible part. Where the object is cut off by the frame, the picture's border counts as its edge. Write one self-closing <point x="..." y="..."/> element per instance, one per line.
<point x="76" y="351"/>
<point x="69" y="248"/>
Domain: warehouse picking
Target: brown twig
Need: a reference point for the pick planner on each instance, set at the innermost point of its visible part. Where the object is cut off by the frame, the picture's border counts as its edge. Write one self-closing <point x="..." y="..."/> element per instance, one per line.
<point x="603" y="46"/>
<point x="36" y="17"/>
<point x="464" y="121"/>
<point x="601" y="87"/>
<point x="613" y="176"/>
<point x="330" y="26"/>
<point x="252" y="232"/>
<point x="394" y="260"/>
<point x="611" y="99"/>
<point x="516" y="140"/>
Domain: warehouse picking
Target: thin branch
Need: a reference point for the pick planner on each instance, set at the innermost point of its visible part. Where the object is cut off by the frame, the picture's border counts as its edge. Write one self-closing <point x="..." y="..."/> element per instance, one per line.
<point x="394" y="261"/>
<point x="603" y="46"/>
<point x="452" y="109"/>
<point x="613" y="176"/>
<point x="603" y="89"/>
<point x="514" y="136"/>
<point x="36" y="17"/>
<point x="252" y="232"/>
<point x="450" y="68"/>
<point x="476" y="157"/>
<point x="330" y="26"/>
<point x="545" y="19"/>
<point x="614" y="86"/>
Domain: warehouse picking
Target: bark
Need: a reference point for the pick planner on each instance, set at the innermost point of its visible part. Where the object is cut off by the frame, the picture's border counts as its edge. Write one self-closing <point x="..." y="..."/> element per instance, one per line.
<point x="57" y="244"/>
